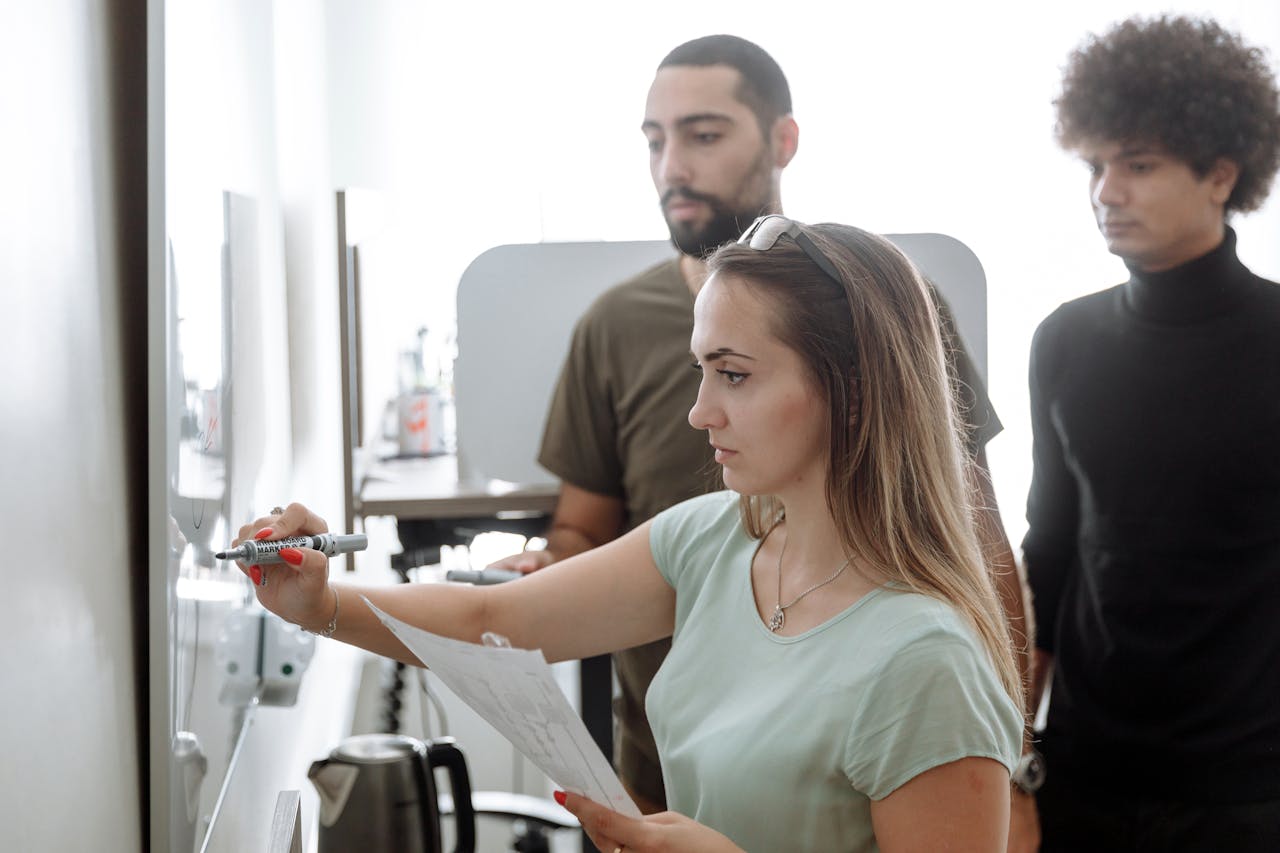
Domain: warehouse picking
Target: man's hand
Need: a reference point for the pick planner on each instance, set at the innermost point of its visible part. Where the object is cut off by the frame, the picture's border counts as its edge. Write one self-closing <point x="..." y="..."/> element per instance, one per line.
<point x="583" y="520"/>
<point x="525" y="561"/>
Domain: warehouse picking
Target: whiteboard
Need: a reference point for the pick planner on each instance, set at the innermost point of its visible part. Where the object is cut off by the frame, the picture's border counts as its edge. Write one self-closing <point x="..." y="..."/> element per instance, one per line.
<point x="517" y="306"/>
<point x="211" y="286"/>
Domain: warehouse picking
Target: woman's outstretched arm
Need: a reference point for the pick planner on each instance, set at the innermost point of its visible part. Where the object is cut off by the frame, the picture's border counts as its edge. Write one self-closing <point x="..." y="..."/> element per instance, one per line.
<point x="605" y="599"/>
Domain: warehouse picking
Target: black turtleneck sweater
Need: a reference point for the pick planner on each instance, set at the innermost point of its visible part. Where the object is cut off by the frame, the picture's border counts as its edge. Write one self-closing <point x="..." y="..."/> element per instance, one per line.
<point x="1153" y="550"/>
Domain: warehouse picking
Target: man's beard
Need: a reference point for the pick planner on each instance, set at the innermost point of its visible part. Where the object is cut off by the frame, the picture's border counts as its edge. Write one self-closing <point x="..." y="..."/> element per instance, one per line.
<point x="725" y="225"/>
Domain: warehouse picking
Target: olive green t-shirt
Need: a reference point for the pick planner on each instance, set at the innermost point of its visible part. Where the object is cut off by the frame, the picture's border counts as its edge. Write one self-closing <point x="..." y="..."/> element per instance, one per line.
<point x="618" y="426"/>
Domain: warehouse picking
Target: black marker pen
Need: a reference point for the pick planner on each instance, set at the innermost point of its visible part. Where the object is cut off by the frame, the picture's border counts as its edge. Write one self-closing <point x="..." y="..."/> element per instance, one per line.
<point x="258" y="552"/>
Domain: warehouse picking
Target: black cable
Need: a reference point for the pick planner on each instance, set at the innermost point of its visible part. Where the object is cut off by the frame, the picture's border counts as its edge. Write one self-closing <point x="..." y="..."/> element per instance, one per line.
<point x="393" y="693"/>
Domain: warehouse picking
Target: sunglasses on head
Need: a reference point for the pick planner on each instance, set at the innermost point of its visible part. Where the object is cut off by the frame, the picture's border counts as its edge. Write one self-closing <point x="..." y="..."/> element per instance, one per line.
<point x="765" y="231"/>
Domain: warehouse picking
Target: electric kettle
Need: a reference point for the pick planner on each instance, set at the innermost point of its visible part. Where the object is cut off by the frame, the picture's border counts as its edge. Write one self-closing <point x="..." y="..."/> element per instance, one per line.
<point x="378" y="795"/>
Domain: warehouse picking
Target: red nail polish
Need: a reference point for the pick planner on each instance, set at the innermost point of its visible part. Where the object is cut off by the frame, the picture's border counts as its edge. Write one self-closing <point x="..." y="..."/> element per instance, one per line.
<point x="292" y="556"/>
<point x="560" y="797"/>
<point x="255" y="574"/>
<point x="263" y="533"/>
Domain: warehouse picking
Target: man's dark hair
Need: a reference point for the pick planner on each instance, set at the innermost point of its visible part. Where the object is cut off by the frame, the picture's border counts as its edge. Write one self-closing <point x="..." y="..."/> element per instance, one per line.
<point x="1185" y="84"/>
<point x="763" y="89"/>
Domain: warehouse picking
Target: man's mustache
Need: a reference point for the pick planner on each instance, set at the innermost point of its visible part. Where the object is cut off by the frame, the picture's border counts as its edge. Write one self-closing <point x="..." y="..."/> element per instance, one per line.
<point x="687" y="194"/>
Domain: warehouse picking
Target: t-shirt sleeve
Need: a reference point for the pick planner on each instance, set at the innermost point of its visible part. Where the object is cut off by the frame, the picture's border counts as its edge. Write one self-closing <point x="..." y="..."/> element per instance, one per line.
<point x="933" y="703"/>
<point x="579" y="440"/>
<point x="686" y="542"/>
<point x="981" y="424"/>
<point x="691" y="532"/>
<point x="1052" y="502"/>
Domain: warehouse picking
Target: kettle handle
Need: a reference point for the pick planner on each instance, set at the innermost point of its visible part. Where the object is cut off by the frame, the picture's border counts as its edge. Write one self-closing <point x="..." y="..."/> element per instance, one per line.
<point x="443" y="753"/>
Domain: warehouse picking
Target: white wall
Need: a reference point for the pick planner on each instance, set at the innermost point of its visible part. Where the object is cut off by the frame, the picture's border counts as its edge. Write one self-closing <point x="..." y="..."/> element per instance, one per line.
<point x="221" y="135"/>
<point x="70" y="775"/>
<point x="302" y="149"/>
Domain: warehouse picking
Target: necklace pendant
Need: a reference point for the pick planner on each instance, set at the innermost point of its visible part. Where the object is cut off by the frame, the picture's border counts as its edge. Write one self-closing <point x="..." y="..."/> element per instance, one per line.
<point x="776" y="620"/>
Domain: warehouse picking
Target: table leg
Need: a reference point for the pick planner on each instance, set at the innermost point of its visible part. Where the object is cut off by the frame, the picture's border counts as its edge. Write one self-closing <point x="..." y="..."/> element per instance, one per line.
<point x="595" y="686"/>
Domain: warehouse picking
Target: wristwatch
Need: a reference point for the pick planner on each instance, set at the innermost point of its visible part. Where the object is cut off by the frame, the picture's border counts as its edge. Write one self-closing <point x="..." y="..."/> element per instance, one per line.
<point x="1028" y="775"/>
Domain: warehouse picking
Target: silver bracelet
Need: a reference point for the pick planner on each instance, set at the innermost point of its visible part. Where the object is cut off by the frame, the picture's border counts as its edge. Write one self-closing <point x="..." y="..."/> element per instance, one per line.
<point x="327" y="630"/>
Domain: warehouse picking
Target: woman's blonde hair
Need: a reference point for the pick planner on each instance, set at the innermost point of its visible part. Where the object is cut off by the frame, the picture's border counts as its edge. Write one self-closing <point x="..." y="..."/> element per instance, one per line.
<point x="896" y="484"/>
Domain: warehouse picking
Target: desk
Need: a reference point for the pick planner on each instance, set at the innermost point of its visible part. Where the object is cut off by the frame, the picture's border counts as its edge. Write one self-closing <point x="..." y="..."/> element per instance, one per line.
<point x="428" y="488"/>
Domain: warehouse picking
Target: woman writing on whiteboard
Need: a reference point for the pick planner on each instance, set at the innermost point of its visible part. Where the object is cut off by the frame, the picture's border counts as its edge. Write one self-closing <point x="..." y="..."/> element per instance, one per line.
<point x="840" y="675"/>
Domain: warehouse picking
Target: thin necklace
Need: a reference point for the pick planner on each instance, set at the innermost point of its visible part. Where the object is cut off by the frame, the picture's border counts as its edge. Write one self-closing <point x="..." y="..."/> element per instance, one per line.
<point x="779" y="616"/>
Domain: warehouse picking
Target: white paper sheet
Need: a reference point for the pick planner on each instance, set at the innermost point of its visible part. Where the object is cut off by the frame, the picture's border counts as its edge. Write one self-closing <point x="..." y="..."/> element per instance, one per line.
<point x="515" y="692"/>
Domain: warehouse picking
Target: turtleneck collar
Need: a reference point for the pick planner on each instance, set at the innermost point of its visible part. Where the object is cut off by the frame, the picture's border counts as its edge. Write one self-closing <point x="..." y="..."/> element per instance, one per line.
<point x="1197" y="290"/>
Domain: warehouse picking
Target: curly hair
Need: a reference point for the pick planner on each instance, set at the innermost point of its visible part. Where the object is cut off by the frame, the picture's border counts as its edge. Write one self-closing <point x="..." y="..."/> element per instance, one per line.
<point x="1184" y="83"/>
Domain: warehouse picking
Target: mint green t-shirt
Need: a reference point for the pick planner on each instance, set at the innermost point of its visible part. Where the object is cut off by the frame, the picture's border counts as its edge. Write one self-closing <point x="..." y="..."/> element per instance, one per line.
<point x="781" y="743"/>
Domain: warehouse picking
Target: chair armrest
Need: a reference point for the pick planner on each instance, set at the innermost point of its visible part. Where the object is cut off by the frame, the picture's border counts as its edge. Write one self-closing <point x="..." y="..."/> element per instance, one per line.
<point x="543" y="812"/>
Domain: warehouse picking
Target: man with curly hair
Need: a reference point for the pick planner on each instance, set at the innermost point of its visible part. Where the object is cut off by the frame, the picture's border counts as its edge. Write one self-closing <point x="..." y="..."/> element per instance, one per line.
<point x="1153" y="548"/>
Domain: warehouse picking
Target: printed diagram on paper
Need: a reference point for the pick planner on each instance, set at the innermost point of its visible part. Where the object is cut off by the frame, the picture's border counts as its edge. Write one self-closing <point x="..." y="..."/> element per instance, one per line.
<point x="515" y="692"/>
